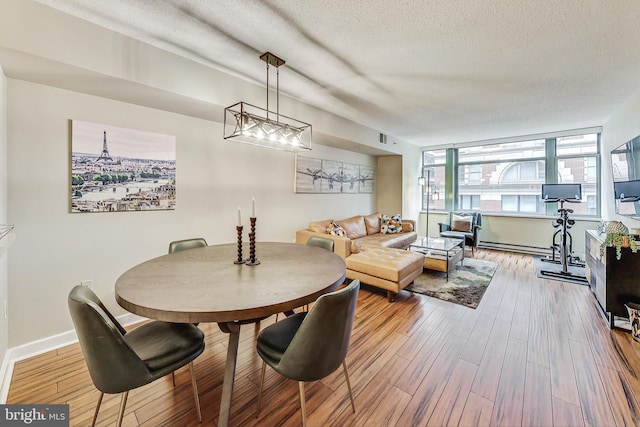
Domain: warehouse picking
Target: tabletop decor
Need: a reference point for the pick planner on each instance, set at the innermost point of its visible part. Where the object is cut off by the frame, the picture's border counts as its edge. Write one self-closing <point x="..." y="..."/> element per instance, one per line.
<point x="239" y="228"/>
<point x="252" y="243"/>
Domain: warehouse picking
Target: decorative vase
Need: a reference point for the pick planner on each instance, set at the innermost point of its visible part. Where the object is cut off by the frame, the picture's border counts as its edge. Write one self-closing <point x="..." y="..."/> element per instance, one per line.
<point x="634" y="319"/>
<point x="624" y="242"/>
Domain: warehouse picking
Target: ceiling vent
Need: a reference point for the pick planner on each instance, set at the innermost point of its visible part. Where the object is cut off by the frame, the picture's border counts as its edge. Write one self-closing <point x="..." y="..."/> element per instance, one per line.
<point x="383" y="138"/>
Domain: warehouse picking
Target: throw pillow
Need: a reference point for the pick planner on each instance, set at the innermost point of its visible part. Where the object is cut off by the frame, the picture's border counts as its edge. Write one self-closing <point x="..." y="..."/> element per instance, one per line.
<point x="407" y="227"/>
<point x="461" y="223"/>
<point x="335" y="229"/>
<point x="390" y="224"/>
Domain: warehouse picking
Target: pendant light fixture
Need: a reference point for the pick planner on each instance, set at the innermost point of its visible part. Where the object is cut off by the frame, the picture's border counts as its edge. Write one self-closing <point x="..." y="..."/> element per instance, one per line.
<point x="247" y="123"/>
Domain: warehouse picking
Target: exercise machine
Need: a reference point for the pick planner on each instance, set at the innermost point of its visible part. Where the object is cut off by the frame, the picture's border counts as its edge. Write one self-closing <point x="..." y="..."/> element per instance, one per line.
<point x="562" y="250"/>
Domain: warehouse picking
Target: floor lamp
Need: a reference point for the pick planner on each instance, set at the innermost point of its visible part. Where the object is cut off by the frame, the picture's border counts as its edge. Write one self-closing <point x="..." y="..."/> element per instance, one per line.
<point x="426" y="181"/>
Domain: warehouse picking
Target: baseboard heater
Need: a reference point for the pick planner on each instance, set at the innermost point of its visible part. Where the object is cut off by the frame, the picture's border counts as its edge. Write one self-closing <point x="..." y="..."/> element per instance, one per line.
<point x="511" y="247"/>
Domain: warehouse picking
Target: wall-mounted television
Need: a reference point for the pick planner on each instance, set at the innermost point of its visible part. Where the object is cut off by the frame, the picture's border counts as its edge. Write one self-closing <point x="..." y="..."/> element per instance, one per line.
<point x="557" y="192"/>
<point x="627" y="191"/>
<point x="625" y="166"/>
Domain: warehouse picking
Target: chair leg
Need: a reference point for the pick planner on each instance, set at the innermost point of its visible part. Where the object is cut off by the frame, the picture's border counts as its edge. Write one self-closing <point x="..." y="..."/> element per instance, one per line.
<point x="264" y="369"/>
<point x="346" y="375"/>
<point x="95" y="415"/>
<point x="302" y="405"/>
<point x="123" y="403"/>
<point x="195" y="390"/>
<point x="256" y="329"/>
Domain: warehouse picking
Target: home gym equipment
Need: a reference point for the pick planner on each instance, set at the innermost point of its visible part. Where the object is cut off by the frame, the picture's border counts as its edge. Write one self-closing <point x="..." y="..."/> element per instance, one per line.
<point x="561" y="193"/>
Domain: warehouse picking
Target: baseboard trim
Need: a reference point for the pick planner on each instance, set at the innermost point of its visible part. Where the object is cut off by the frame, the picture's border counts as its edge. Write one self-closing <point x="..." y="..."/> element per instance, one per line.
<point x="34" y="348"/>
<point x="534" y="250"/>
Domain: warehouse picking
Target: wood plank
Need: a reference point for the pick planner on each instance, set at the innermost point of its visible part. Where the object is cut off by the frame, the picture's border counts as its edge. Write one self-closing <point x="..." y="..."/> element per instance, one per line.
<point x="538" y="401"/>
<point x="477" y="411"/>
<point x="593" y="397"/>
<point x="450" y="406"/>
<point x="509" y="401"/>
<point x="488" y="376"/>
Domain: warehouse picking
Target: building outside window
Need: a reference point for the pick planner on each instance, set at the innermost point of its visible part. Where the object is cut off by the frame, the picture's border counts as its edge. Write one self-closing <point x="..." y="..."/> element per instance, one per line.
<point x="508" y="177"/>
<point x="433" y="165"/>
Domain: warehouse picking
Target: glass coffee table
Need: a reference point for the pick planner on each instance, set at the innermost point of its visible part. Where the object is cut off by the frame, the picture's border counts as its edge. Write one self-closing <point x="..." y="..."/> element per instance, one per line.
<point x="440" y="253"/>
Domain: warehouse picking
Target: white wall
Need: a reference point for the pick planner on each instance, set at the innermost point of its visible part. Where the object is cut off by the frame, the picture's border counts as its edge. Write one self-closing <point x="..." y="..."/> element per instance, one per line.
<point x="4" y="285"/>
<point x="57" y="249"/>
<point x="622" y="126"/>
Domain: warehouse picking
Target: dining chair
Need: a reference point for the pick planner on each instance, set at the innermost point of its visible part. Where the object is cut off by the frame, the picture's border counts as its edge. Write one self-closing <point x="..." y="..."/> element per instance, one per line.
<point x="120" y="360"/>
<point x="321" y="242"/>
<point x="308" y="346"/>
<point x="182" y="245"/>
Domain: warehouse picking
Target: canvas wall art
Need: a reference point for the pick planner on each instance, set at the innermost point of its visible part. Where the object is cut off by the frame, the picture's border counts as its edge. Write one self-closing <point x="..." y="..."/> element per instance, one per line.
<point x="116" y="169"/>
<point x="331" y="176"/>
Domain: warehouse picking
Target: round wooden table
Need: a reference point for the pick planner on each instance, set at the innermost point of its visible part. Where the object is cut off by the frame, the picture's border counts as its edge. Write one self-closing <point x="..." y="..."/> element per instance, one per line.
<point x="204" y="285"/>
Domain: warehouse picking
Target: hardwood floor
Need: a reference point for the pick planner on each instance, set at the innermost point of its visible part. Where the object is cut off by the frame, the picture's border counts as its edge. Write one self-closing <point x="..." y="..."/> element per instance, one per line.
<point x="536" y="352"/>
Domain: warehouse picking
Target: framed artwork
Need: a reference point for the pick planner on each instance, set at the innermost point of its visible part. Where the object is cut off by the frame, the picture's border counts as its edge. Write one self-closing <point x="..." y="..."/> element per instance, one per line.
<point x="308" y="175"/>
<point x="365" y="179"/>
<point x="331" y="170"/>
<point x="331" y="176"/>
<point x="116" y="169"/>
<point x="349" y="177"/>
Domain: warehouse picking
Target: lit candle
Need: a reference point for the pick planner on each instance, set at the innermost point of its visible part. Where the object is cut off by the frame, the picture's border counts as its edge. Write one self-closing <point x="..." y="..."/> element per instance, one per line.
<point x="239" y="218"/>
<point x="253" y="207"/>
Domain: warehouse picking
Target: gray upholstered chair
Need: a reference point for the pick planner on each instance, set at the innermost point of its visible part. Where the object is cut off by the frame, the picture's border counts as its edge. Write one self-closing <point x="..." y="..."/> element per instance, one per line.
<point x="181" y="245"/>
<point x="120" y="361"/>
<point x="321" y="242"/>
<point x="457" y="227"/>
<point x="308" y="346"/>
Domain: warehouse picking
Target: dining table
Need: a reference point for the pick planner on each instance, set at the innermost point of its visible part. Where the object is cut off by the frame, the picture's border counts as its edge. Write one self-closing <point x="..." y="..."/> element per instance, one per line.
<point x="205" y="285"/>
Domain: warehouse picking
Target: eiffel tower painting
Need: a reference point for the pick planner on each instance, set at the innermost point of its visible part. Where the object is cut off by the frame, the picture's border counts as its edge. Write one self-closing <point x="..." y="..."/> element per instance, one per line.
<point x="104" y="156"/>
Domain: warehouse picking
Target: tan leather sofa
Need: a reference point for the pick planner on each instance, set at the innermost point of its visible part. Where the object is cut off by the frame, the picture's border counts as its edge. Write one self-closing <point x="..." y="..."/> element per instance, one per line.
<point x="376" y="259"/>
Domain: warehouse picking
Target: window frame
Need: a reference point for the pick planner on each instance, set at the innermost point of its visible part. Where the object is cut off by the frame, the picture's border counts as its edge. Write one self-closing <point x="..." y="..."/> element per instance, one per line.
<point x="455" y="177"/>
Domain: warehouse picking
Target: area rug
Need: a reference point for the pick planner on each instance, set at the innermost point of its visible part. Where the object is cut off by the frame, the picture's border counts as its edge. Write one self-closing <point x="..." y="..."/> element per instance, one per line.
<point x="466" y="286"/>
<point x="553" y="271"/>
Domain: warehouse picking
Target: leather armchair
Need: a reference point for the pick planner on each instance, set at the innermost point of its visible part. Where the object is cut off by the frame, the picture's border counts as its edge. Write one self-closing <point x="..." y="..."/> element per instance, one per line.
<point x="471" y="236"/>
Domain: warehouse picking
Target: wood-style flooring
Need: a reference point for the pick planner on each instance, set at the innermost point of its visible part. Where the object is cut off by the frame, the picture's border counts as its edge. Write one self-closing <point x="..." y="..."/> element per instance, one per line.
<point x="536" y="352"/>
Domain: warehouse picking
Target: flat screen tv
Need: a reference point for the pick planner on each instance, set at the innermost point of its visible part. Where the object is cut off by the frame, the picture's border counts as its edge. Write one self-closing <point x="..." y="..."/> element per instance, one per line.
<point x="627" y="191"/>
<point x="556" y="192"/>
<point x="625" y="165"/>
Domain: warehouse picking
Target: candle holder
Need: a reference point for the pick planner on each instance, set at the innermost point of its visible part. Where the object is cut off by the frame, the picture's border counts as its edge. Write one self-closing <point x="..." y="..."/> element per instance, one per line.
<point x="252" y="243"/>
<point x="239" y="231"/>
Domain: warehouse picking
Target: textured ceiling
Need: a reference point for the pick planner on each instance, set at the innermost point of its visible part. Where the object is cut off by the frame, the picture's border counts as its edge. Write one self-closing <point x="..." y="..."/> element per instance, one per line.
<point x="425" y="71"/>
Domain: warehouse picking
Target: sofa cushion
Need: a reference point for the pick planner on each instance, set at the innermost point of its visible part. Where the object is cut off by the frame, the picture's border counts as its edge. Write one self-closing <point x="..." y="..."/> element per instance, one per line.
<point x="320" y="226"/>
<point x="385" y="263"/>
<point x="372" y="223"/>
<point x="335" y="229"/>
<point x="354" y="226"/>
<point x="391" y="224"/>
<point x="398" y="240"/>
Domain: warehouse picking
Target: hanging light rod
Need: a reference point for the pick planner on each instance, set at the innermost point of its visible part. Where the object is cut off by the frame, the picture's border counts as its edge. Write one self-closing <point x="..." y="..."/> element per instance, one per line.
<point x="249" y="124"/>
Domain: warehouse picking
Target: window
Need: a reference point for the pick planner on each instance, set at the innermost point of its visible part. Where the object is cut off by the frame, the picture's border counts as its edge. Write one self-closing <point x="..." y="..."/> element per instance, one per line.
<point x="501" y="177"/>
<point x="469" y="202"/>
<point x="517" y="203"/>
<point x="433" y="167"/>
<point x="508" y="177"/>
